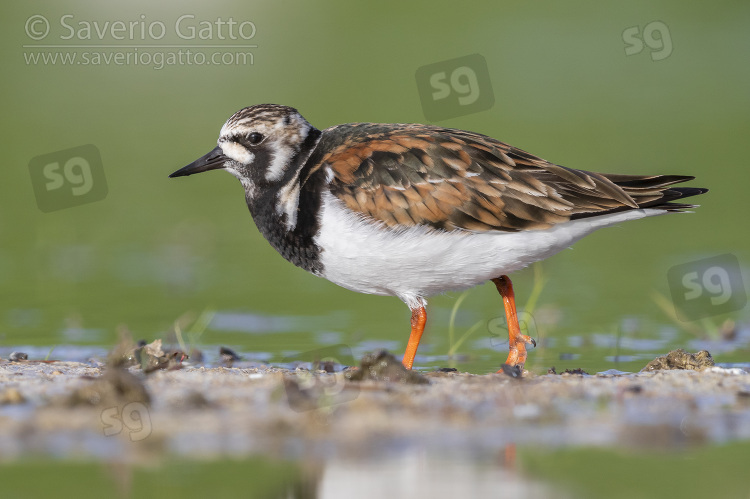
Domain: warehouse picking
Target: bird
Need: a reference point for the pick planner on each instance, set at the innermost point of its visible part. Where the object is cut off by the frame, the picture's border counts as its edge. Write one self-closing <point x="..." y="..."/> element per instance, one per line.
<point x="413" y="210"/>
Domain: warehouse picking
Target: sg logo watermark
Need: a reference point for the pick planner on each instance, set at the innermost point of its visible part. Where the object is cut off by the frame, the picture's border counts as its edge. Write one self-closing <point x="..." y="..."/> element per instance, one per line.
<point x="309" y="390"/>
<point x="455" y="87"/>
<point x="707" y="287"/>
<point x="134" y="417"/>
<point x="498" y="328"/>
<point x="656" y="37"/>
<point x="68" y="178"/>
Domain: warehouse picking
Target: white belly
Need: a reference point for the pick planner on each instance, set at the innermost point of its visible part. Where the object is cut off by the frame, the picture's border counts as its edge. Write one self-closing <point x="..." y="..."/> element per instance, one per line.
<point x="416" y="262"/>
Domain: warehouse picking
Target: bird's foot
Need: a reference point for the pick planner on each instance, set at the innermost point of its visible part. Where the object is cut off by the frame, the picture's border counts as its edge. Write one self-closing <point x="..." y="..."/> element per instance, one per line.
<point x="517" y="351"/>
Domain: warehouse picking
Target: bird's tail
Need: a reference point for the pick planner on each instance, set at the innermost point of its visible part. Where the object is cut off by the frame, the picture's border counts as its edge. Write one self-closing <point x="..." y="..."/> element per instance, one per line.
<point x="655" y="191"/>
<point x="652" y="191"/>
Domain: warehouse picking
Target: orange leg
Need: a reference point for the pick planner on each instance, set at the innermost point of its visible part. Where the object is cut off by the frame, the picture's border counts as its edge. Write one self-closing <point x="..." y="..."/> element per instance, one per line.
<point x="418" y="320"/>
<point x="510" y="456"/>
<point x="516" y="341"/>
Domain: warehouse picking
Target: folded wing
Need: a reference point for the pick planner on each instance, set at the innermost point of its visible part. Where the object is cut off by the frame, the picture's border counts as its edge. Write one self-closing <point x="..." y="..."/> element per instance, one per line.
<point x="408" y="175"/>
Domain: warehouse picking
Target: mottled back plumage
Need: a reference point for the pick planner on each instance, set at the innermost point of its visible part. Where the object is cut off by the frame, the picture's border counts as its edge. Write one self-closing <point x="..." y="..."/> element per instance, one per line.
<point x="410" y="174"/>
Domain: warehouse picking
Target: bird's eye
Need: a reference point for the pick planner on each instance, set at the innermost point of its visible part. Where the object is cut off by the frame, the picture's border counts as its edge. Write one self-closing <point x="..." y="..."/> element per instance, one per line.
<point x="255" y="138"/>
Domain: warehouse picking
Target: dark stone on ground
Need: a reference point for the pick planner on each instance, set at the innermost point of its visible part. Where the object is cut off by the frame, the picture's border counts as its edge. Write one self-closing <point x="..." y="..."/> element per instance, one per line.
<point x="578" y="370"/>
<point x="228" y="352"/>
<point x="328" y="366"/>
<point x="228" y="356"/>
<point x="18" y="356"/>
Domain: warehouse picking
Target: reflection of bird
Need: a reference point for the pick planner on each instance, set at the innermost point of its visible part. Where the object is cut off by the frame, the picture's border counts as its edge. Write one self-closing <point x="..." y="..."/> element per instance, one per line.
<point x="414" y="210"/>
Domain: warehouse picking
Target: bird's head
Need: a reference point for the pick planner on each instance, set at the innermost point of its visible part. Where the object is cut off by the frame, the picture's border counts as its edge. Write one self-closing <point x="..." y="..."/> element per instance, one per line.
<point x="260" y="145"/>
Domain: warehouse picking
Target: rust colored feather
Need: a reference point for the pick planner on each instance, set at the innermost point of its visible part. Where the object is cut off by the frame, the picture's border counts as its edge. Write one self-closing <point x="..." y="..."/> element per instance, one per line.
<point x="407" y="175"/>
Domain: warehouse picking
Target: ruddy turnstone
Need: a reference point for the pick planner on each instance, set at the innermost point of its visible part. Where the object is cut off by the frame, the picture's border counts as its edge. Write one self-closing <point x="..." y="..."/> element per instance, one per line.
<point x="413" y="210"/>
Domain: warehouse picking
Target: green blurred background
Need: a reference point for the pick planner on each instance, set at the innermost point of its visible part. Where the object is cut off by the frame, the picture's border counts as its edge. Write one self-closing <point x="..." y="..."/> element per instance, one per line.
<point x="155" y="249"/>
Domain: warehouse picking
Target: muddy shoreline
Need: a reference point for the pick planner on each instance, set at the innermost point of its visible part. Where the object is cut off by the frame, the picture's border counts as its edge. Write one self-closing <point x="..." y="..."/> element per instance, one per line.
<point x="78" y="409"/>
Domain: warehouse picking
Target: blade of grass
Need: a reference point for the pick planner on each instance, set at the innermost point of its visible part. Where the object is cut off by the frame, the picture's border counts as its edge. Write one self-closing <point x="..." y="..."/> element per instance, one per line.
<point x="463" y="338"/>
<point x="200" y="325"/>
<point x="668" y="308"/>
<point x="536" y="291"/>
<point x="452" y="321"/>
<point x="178" y="335"/>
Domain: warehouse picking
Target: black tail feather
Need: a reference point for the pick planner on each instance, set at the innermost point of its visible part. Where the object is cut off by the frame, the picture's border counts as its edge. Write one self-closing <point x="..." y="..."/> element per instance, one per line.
<point x="653" y="192"/>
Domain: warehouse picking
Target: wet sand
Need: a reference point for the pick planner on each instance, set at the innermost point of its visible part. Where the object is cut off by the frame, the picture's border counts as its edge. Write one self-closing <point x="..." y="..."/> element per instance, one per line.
<point x="70" y="408"/>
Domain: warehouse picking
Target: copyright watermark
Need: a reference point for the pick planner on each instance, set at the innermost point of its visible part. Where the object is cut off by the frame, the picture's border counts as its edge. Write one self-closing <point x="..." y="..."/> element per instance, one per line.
<point x="707" y="287"/>
<point x="654" y="35"/>
<point x="141" y="41"/>
<point x="68" y="178"/>
<point x="134" y="418"/>
<point x="184" y="27"/>
<point x="455" y="87"/>
<point x="37" y="27"/>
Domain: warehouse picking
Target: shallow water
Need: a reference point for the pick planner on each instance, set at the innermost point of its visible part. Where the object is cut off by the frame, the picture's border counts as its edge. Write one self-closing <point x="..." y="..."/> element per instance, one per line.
<point x="304" y="337"/>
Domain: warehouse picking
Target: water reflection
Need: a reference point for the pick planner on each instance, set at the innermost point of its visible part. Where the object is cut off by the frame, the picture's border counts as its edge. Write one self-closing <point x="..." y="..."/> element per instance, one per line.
<point x="419" y="474"/>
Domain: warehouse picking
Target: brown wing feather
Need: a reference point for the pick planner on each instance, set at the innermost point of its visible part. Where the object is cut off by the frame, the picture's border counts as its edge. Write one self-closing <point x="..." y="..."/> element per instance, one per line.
<point x="406" y="175"/>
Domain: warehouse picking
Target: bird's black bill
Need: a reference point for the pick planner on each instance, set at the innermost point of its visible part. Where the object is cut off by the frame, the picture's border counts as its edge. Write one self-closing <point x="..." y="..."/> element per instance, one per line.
<point x="211" y="161"/>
